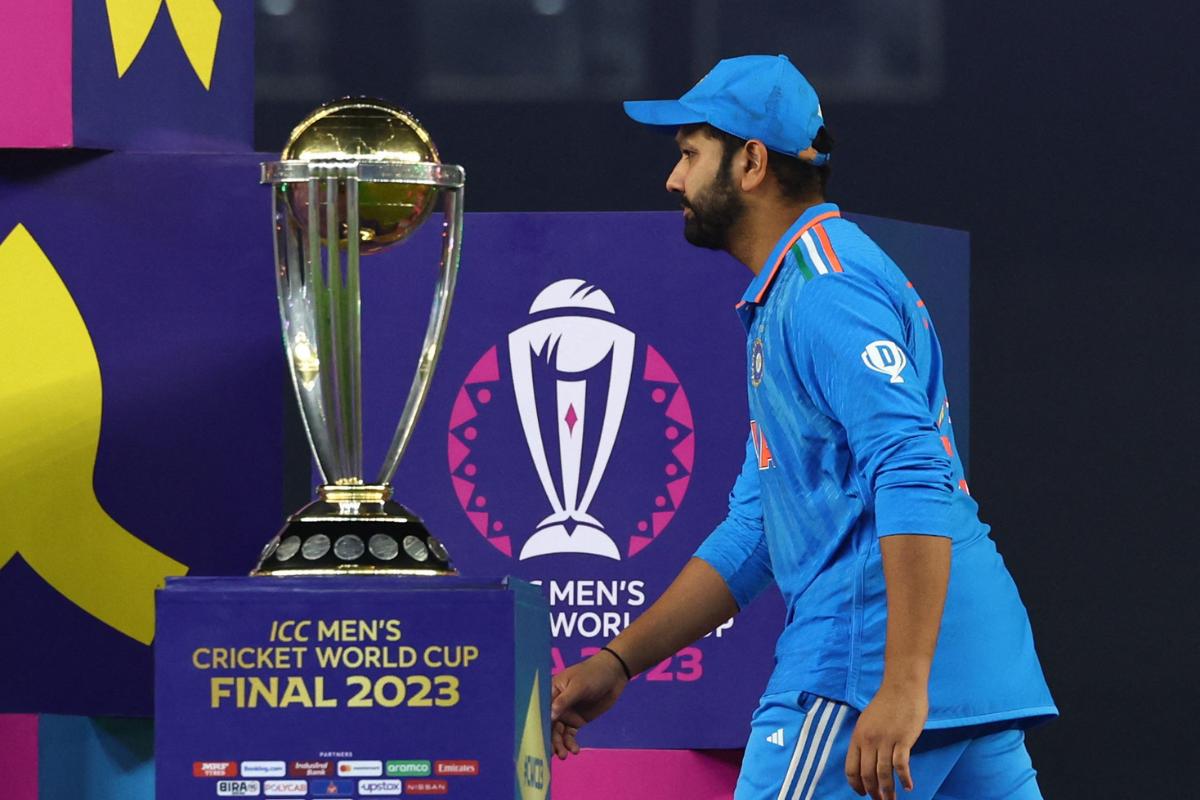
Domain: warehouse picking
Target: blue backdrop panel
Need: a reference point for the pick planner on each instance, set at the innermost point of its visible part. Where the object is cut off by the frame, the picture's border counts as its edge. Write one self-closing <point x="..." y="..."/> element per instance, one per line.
<point x="351" y="686"/>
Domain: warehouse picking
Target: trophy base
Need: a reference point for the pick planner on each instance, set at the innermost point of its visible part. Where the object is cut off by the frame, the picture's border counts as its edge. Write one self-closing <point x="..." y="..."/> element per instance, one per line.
<point x="343" y="534"/>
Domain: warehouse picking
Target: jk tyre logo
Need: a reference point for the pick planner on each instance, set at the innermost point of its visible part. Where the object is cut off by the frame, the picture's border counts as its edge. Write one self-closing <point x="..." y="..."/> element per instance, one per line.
<point x="887" y="358"/>
<point x="573" y="435"/>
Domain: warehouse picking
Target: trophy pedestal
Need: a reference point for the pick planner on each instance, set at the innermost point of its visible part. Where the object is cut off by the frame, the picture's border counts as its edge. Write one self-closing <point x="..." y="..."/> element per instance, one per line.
<point x="355" y="530"/>
<point x="332" y="687"/>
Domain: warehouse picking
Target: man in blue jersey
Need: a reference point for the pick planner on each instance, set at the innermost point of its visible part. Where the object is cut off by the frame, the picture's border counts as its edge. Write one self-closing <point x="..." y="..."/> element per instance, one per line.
<point x="907" y="656"/>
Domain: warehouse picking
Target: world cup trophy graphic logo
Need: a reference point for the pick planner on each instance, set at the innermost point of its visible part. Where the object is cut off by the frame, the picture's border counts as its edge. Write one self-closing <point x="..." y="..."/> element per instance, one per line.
<point x="575" y="350"/>
<point x="572" y="435"/>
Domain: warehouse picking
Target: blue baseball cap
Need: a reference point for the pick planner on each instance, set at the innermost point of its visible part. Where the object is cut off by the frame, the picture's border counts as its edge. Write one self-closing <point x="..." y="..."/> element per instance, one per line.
<point x="751" y="97"/>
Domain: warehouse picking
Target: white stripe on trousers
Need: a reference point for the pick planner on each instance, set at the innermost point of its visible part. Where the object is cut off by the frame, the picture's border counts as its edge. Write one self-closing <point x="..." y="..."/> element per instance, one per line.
<point x="800" y="742"/>
<point x="816" y="740"/>
<point x="837" y="725"/>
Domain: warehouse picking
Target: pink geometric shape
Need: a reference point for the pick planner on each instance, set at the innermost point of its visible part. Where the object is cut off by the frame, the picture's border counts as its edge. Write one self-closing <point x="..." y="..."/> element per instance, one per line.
<point x="463" y="489"/>
<point x="643" y="526"/>
<point x="678" y="489"/>
<point x="657" y="368"/>
<point x="685" y="451"/>
<point x="571" y="418"/>
<point x="19" y="755"/>
<point x="35" y="74"/>
<point x="661" y="519"/>
<point x="503" y="544"/>
<point x="679" y="410"/>
<point x="497" y="526"/>
<point x="484" y="396"/>
<point x="469" y="470"/>
<point x="660" y="501"/>
<point x="464" y="409"/>
<point x="486" y="369"/>
<point x="480" y="501"/>
<point x="658" y="395"/>
<point x="480" y="520"/>
<point x="672" y="469"/>
<point x="644" y="774"/>
<point x="456" y="451"/>
<point x="637" y="544"/>
<point x="470" y="433"/>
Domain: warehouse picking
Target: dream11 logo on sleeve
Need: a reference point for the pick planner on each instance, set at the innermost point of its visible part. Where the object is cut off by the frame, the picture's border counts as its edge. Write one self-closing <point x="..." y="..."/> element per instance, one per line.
<point x="573" y="435"/>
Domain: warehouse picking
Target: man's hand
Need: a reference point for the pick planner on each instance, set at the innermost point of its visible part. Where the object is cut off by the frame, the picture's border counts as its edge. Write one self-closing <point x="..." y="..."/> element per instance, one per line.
<point x="883" y="740"/>
<point x="581" y="693"/>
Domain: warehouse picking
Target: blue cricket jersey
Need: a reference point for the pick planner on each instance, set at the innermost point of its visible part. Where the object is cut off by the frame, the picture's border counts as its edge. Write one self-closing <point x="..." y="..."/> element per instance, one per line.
<point x="851" y="440"/>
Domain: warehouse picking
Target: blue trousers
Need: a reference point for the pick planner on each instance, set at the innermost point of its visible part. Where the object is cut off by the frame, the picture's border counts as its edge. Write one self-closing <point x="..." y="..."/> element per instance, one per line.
<point x="798" y="745"/>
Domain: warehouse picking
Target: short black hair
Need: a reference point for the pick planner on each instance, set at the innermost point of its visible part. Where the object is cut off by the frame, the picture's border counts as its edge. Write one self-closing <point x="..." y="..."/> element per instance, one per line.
<point x="798" y="179"/>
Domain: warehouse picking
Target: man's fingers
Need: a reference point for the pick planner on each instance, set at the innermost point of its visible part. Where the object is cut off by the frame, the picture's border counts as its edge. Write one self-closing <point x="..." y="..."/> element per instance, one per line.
<point x="883" y="774"/>
<point x="569" y="739"/>
<point x="866" y="770"/>
<point x="900" y="760"/>
<point x="556" y="739"/>
<point x="852" y="772"/>
<point x="572" y="719"/>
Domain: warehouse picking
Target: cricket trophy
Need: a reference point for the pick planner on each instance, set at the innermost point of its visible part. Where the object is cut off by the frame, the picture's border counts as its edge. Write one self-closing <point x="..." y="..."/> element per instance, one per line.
<point x="357" y="176"/>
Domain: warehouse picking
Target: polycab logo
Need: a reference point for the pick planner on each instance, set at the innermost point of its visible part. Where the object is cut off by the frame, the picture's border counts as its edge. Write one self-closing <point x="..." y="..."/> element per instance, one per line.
<point x="264" y="769"/>
<point x="215" y="769"/>
<point x="359" y="769"/>
<point x="238" y="788"/>
<point x="410" y="768"/>
<point x="428" y="786"/>
<point x="310" y="769"/>
<point x="572" y="436"/>
<point x="380" y="787"/>
<point x="460" y="767"/>
<point x="285" y="788"/>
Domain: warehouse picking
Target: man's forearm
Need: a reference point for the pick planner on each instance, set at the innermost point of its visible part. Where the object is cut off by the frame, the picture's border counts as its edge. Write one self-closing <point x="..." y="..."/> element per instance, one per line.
<point x="917" y="571"/>
<point x="695" y="603"/>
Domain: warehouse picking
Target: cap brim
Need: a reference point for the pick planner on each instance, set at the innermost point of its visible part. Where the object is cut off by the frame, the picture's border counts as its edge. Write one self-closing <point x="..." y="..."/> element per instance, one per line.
<point x="670" y="113"/>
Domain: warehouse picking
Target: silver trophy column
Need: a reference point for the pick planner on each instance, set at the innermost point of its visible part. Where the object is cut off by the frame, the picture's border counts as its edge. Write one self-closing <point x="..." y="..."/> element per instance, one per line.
<point x="358" y="176"/>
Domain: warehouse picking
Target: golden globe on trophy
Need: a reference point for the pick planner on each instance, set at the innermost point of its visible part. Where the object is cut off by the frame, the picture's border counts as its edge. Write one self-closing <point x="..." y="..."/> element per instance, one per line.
<point x="357" y="176"/>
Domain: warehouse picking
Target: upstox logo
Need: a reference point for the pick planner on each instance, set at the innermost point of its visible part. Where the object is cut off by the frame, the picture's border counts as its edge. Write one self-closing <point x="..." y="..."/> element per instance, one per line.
<point x="411" y="768"/>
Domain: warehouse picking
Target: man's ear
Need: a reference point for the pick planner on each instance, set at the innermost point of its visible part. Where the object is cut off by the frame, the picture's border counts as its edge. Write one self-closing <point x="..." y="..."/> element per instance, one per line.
<point x="755" y="173"/>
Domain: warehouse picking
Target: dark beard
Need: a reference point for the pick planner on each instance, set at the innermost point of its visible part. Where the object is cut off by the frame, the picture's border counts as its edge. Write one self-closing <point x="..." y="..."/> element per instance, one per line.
<point x="714" y="213"/>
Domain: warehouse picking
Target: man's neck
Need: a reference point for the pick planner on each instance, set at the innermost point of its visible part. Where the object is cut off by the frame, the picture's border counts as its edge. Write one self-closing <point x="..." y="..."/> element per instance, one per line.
<point x="758" y="233"/>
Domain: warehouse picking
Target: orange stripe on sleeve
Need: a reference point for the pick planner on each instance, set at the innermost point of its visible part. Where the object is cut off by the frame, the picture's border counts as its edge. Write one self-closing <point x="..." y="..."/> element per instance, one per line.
<point x="828" y="248"/>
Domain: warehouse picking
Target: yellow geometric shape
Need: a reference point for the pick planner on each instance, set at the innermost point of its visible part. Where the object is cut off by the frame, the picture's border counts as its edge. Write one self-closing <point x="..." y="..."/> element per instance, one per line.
<point x="50" y="403"/>
<point x="197" y="23"/>
<point x="533" y="769"/>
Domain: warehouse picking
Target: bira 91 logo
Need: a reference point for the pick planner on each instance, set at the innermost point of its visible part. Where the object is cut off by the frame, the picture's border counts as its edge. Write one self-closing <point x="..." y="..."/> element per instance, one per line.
<point x="572" y="436"/>
<point x="239" y="788"/>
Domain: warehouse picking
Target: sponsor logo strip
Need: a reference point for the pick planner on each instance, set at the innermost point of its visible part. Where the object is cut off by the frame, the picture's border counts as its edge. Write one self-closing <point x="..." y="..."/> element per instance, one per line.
<point x="264" y="769"/>
<point x="458" y="767"/>
<point x="310" y="769"/>
<point x="408" y="768"/>
<point x="426" y="786"/>
<point x="215" y="769"/>
<point x="380" y="787"/>
<point x="291" y="788"/>
<point x="238" y="788"/>
<point x="331" y="788"/>
<point x="359" y="769"/>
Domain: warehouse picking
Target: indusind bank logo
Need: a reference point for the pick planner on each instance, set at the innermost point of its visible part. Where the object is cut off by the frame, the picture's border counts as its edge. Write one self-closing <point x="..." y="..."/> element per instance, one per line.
<point x="573" y="435"/>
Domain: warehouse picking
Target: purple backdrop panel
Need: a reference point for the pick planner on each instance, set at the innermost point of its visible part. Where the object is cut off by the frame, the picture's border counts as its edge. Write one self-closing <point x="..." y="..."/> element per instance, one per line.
<point x="168" y="261"/>
<point x="585" y="426"/>
<point x="145" y="79"/>
<point x="351" y="687"/>
<point x="35" y="73"/>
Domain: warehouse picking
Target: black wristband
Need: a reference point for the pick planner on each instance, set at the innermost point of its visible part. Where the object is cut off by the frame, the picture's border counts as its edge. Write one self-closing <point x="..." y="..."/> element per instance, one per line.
<point x="624" y="666"/>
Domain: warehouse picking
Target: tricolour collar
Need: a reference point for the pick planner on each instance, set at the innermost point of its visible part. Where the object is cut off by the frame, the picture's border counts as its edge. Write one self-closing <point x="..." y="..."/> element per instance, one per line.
<point x="813" y="216"/>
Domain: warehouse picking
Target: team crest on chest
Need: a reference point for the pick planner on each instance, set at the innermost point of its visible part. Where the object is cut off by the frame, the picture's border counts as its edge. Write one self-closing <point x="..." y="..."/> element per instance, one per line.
<point x="757" y="363"/>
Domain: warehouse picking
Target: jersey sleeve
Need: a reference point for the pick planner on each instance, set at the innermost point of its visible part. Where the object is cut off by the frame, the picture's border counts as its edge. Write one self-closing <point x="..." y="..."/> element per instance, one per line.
<point x="737" y="548"/>
<point x="851" y="350"/>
